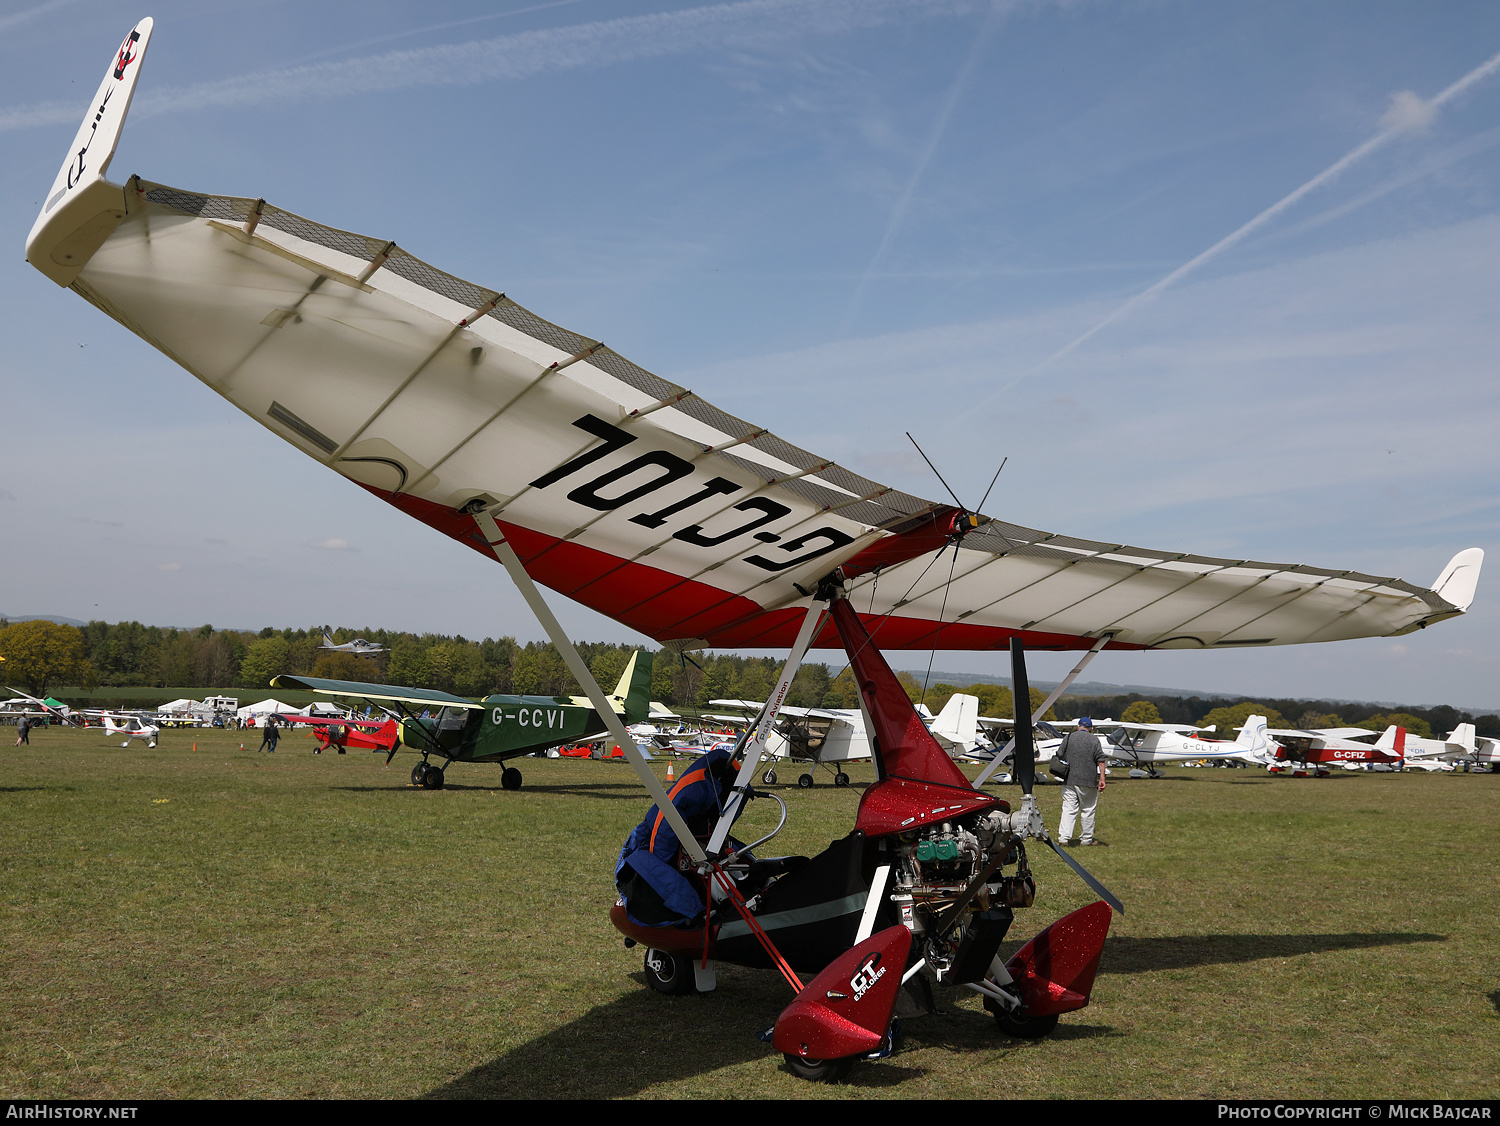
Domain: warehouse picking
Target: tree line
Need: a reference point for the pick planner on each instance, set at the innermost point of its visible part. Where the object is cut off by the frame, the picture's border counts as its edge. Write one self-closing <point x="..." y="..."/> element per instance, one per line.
<point x="43" y="655"/>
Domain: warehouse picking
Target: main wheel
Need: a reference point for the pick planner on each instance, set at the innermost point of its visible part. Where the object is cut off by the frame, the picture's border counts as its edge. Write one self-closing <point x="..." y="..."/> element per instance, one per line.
<point x="511" y="779"/>
<point x="841" y="779"/>
<point x="418" y="772"/>
<point x="671" y="974"/>
<point x="1023" y="1027"/>
<point x="805" y="781"/>
<point x="769" y="778"/>
<point x="819" y="1071"/>
<point x="433" y="779"/>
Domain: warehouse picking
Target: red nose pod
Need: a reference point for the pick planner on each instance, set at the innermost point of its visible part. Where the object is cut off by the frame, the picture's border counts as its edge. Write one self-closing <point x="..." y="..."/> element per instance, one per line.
<point x="1055" y="970"/>
<point x="846" y="1009"/>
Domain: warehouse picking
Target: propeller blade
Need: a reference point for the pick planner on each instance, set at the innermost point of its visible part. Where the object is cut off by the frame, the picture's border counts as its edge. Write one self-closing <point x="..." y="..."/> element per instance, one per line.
<point x="1099" y="889"/>
<point x="1025" y="753"/>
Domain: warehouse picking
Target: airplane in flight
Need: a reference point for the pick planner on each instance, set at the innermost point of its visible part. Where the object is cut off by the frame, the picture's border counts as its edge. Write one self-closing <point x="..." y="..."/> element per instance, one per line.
<point x="359" y="646"/>
<point x="573" y="467"/>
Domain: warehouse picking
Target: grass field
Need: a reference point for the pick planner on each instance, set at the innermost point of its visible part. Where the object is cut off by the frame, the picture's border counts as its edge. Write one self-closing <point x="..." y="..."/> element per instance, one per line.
<point x="183" y="923"/>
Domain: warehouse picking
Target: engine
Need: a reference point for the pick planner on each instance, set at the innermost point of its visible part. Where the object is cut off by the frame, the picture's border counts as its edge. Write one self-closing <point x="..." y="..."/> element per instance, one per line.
<point x="949" y="885"/>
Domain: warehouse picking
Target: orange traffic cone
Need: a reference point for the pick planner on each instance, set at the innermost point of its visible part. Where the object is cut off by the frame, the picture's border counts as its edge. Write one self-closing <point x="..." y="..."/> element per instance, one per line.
<point x="195" y="746"/>
<point x="669" y="770"/>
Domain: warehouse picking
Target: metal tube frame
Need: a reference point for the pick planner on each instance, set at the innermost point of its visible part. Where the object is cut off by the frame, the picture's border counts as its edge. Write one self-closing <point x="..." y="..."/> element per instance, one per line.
<point x="517" y="571"/>
<point x="754" y="745"/>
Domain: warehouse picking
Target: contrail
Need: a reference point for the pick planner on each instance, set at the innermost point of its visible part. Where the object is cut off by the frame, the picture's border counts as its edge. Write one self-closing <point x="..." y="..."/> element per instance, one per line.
<point x="17" y="18"/>
<point x="939" y="127"/>
<point x="1407" y="112"/>
<point x="746" y="24"/>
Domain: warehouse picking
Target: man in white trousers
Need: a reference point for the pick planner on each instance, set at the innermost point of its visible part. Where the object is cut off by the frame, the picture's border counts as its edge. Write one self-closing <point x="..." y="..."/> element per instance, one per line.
<point x="1085" y="757"/>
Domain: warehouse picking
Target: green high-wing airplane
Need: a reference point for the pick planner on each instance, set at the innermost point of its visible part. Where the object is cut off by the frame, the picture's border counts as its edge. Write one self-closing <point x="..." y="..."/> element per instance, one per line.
<point x="494" y="729"/>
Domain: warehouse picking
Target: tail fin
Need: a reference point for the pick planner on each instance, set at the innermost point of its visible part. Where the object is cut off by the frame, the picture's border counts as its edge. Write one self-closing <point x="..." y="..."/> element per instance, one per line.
<point x="1253" y="740"/>
<point x="1462" y="737"/>
<point x="633" y="694"/>
<point x="1388" y="737"/>
<point x="958" y="723"/>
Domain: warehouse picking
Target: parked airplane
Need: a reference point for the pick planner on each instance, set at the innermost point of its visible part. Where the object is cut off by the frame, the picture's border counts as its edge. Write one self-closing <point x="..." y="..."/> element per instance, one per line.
<point x="498" y="728"/>
<point x="359" y="646"/>
<point x="370" y="734"/>
<point x="1310" y="752"/>
<point x="1432" y="754"/>
<point x="1143" y="745"/>
<point x="820" y="737"/>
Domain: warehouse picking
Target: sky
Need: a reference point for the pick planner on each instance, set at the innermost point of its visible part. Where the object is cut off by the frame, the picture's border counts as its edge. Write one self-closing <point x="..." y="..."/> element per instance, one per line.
<point x="1213" y="277"/>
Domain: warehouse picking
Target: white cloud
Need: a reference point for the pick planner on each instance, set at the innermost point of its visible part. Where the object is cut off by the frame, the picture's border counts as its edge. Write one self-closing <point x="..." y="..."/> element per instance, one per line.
<point x="331" y="545"/>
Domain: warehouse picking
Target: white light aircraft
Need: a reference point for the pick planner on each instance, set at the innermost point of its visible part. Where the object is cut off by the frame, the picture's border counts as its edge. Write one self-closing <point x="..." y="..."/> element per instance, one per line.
<point x="130" y="726"/>
<point x="359" y="646"/>
<point x="821" y="737"/>
<point x="1142" y="745"/>
<point x="1431" y="754"/>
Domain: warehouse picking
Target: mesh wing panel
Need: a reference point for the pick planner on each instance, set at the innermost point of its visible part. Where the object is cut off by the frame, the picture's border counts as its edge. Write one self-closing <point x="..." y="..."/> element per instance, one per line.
<point x="891" y="509"/>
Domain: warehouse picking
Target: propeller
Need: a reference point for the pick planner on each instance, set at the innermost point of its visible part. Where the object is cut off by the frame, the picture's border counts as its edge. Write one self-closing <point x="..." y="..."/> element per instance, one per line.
<point x="1025" y="765"/>
<point x="1024" y="757"/>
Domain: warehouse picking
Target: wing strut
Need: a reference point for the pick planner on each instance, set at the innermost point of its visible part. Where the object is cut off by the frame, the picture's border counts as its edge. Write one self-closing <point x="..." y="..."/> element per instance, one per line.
<point x="513" y="566"/>
<point x="995" y="762"/>
<point x="754" y="744"/>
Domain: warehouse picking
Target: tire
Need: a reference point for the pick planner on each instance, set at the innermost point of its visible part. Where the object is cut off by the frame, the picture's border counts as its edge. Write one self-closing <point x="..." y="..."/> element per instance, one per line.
<point x="819" y="1071"/>
<point x="841" y="779"/>
<point x="433" y="779"/>
<point x="805" y="781"/>
<point x="671" y="974"/>
<point x="511" y="779"/>
<point x="418" y="772"/>
<point x="769" y="778"/>
<point x="1023" y="1027"/>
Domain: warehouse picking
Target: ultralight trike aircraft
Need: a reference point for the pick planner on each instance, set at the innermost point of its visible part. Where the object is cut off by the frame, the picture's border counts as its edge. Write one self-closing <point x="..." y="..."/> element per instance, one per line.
<point x="575" y="468"/>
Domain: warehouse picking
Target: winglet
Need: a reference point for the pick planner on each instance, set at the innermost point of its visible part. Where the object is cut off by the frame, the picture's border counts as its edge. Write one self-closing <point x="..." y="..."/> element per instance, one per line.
<point x="1460" y="578"/>
<point x="83" y="208"/>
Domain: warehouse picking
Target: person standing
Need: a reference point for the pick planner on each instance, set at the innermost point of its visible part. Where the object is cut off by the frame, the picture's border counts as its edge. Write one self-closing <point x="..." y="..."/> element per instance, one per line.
<point x="23" y="731"/>
<point x="1085" y="757"/>
<point x="269" y="735"/>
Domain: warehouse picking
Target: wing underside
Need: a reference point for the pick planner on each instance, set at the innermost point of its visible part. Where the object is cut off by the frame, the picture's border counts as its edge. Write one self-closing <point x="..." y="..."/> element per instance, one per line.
<point x="625" y="491"/>
<point x="422" y="697"/>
